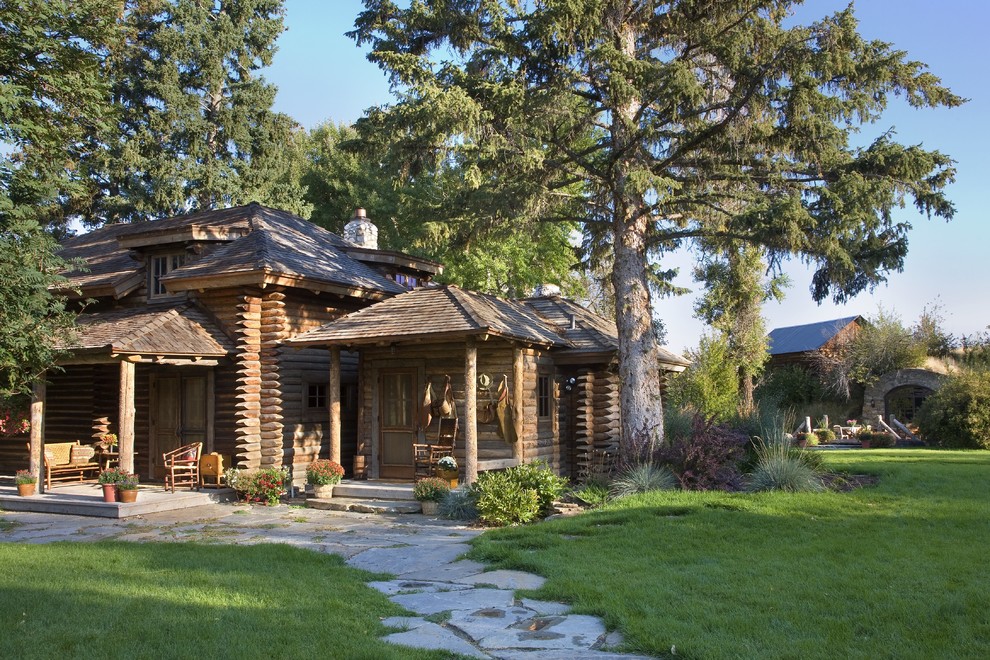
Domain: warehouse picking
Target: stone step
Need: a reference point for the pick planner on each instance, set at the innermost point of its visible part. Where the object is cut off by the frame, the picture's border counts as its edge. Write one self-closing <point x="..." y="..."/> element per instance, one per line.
<point x="375" y="490"/>
<point x="363" y="505"/>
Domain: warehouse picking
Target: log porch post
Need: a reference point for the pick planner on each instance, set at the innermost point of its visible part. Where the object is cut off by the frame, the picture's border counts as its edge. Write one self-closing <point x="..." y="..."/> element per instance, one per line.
<point x="126" y="416"/>
<point x="35" y="465"/>
<point x="333" y="401"/>
<point x="471" y="413"/>
<point x="518" y="383"/>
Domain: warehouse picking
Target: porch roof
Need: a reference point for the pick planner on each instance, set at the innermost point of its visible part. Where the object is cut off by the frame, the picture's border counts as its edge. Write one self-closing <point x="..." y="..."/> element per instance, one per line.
<point x="433" y="312"/>
<point x="161" y="330"/>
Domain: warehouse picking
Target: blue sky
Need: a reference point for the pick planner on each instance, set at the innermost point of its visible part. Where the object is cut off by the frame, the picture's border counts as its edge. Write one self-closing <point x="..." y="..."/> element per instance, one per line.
<point x="322" y="75"/>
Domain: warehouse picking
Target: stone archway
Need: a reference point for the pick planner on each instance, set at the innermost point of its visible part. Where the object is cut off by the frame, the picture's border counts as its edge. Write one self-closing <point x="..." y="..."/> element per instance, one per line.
<point x="897" y="392"/>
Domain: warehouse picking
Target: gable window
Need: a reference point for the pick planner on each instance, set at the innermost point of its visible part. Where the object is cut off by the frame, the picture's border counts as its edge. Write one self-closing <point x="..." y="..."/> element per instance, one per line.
<point x="543" y="396"/>
<point x="407" y="281"/>
<point x="316" y="396"/>
<point x="161" y="266"/>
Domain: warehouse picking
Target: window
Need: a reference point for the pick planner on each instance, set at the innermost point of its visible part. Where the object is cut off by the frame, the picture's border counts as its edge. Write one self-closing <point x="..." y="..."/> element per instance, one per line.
<point x="407" y="281"/>
<point x="316" y="396"/>
<point x="160" y="267"/>
<point x="543" y="396"/>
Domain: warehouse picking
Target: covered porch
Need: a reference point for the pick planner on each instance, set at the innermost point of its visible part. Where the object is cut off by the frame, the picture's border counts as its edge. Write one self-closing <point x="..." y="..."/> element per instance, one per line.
<point x="146" y="375"/>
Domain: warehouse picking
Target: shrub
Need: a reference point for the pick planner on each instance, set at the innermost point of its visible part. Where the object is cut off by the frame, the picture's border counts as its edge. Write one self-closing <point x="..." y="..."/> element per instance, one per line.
<point x="809" y="439"/>
<point x="877" y="439"/>
<point x="790" y="386"/>
<point x="710" y="385"/>
<point x="129" y="482"/>
<point x="644" y="478"/>
<point x="825" y="435"/>
<point x="501" y="500"/>
<point x="782" y="467"/>
<point x="707" y="460"/>
<point x="262" y="485"/>
<point x="431" y="489"/>
<point x="958" y="413"/>
<point x="458" y="505"/>
<point x="324" y="472"/>
<point x="539" y="477"/>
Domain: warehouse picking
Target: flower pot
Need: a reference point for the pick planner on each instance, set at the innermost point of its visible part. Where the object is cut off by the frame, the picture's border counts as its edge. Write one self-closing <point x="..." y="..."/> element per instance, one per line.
<point x="360" y="467"/>
<point x="323" y="492"/>
<point x="429" y="507"/>
<point x="25" y="490"/>
<point x="127" y="496"/>
<point x="109" y="492"/>
<point x="449" y="475"/>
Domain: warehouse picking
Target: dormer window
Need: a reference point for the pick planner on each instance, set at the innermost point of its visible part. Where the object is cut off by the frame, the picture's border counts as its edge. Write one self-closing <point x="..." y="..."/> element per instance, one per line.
<point x="161" y="266"/>
<point x="407" y="281"/>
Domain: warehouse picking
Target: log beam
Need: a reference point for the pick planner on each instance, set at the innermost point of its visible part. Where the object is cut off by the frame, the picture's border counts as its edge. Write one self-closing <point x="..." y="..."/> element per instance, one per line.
<point x="35" y="465"/>
<point x="471" y="413"/>
<point x="333" y="402"/>
<point x="518" y="399"/>
<point x="126" y="416"/>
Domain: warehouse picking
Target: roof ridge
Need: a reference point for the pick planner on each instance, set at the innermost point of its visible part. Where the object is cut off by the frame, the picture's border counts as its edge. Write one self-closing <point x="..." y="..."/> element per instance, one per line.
<point x="163" y="317"/>
<point x="463" y="301"/>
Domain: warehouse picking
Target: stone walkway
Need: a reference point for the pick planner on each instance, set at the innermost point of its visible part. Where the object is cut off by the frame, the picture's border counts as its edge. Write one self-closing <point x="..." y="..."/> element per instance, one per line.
<point x="459" y="606"/>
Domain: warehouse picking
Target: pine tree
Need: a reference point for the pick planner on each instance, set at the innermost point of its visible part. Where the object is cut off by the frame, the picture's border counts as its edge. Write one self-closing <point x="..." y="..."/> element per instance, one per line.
<point x="672" y="115"/>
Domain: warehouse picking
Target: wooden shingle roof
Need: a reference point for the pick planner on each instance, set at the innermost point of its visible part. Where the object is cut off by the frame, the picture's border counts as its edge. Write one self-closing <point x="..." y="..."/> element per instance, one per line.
<point x="249" y="242"/>
<point x="436" y="312"/>
<point x="167" y="330"/>
<point x="587" y="332"/>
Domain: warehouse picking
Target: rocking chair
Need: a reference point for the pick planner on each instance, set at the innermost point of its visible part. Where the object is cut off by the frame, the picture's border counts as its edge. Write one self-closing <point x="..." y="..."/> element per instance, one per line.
<point x="427" y="455"/>
<point x="182" y="466"/>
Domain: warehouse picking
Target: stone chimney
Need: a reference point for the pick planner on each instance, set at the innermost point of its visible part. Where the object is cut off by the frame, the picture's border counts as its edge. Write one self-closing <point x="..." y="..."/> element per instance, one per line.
<point x="361" y="231"/>
<point x="546" y="291"/>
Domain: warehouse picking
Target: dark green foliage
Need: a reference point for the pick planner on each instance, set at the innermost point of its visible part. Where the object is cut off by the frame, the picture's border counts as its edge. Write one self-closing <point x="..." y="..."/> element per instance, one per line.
<point x="32" y="320"/>
<point x="825" y="435"/>
<point x="877" y="439"/>
<point x="707" y="460"/>
<point x="789" y="386"/>
<point x="194" y="128"/>
<point x="659" y="126"/>
<point x="710" y="386"/>
<point x="540" y="477"/>
<point x="501" y="500"/>
<point x="958" y="413"/>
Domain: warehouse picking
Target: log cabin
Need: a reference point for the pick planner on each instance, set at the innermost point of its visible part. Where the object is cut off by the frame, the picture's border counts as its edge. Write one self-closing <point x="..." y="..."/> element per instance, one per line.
<point x="274" y="342"/>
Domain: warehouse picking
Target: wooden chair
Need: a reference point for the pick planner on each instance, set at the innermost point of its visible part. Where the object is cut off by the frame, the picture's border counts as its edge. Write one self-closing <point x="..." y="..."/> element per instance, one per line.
<point x="427" y="455"/>
<point x="182" y="466"/>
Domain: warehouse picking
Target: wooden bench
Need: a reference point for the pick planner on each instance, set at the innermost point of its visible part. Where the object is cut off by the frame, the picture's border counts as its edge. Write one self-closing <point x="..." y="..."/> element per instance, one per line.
<point x="59" y="466"/>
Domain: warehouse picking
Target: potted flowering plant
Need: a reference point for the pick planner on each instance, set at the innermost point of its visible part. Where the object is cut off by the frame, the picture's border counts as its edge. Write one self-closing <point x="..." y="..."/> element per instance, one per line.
<point x="447" y="469"/>
<point x="323" y="474"/>
<point x="109" y="479"/>
<point x="26" y="483"/>
<point x="430" y="492"/>
<point x="127" y="488"/>
<point x="107" y="441"/>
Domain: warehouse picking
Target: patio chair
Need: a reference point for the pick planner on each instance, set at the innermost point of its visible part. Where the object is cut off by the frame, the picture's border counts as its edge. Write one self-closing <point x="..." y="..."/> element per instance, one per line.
<point x="182" y="466"/>
<point x="427" y="455"/>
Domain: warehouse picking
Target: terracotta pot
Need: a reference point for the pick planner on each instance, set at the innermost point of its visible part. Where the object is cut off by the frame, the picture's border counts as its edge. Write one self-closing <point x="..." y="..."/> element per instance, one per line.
<point x="109" y="492"/>
<point x="429" y="507"/>
<point x="450" y="476"/>
<point x="25" y="490"/>
<point x="127" y="496"/>
<point x="323" y="492"/>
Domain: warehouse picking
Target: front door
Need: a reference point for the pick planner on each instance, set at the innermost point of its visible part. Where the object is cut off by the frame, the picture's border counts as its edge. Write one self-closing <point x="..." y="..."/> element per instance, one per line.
<point x="178" y="415"/>
<point x="397" y="403"/>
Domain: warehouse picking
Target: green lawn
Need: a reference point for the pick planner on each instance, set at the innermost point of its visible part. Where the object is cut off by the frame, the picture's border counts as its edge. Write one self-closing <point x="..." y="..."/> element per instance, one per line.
<point x="153" y="600"/>
<point x="897" y="570"/>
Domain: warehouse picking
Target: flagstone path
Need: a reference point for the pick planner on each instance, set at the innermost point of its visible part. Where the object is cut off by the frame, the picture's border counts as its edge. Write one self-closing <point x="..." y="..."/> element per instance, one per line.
<point x="459" y="606"/>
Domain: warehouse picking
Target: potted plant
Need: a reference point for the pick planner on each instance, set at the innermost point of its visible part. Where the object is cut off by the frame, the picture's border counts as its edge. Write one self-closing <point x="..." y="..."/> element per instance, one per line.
<point x="430" y="492"/>
<point x="127" y="488"/>
<point x="107" y="442"/>
<point x="804" y="440"/>
<point x="26" y="483"/>
<point x="447" y="469"/>
<point x="876" y="439"/>
<point x="109" y="479"/>
<point x="323" y="474"/>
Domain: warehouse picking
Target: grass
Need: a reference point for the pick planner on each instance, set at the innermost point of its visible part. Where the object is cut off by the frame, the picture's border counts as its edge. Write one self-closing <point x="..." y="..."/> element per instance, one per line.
<point x="167" y="600"/>
<point x="895" y="570"/>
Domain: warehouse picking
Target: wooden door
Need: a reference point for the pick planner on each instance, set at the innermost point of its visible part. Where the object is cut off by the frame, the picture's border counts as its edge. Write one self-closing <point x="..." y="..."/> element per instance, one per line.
<point x="178" y="415"/>
<point x="397" y="415"/>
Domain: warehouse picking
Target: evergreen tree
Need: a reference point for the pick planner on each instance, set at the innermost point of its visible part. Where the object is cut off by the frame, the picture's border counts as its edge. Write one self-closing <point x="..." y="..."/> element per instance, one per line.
<point x="195" y="129"/>
<point x="672" y="115"/>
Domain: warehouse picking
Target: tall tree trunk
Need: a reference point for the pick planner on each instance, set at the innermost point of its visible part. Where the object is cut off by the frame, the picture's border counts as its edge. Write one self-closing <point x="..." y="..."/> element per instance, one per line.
<point x="639" y="368"/>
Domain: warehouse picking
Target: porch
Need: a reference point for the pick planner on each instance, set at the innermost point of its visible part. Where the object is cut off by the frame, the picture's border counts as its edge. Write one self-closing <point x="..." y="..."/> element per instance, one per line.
<point x="86" y="499"/>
